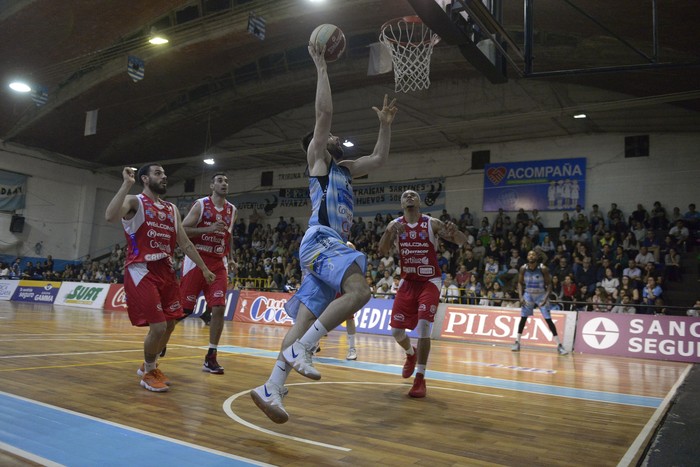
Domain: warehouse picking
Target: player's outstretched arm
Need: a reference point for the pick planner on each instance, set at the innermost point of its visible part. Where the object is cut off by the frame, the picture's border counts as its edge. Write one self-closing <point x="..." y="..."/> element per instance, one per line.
<point x="380" y="155"/>
<point x="123" y="204"/>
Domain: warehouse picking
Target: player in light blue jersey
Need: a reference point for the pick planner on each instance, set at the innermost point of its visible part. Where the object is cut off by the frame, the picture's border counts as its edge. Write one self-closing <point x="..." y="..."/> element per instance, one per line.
<point x="331" y="267"/>
<point x="534" y="287"/>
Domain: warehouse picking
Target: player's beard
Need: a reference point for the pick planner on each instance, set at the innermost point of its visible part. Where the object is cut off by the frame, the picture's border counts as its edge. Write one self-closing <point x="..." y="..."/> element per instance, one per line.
<point x="157" y="187"/>
<point x="336" y="152"/>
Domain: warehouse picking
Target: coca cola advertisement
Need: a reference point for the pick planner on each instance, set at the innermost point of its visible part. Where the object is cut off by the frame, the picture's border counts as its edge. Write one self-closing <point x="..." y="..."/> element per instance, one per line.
<point x="116" y="298"/>
<point x="262" y="308"/>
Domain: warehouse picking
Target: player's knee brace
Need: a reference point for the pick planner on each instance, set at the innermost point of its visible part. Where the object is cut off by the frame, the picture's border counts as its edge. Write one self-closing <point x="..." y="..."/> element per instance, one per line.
<point x="399" y="334"/>
<point x="423" y="329"/>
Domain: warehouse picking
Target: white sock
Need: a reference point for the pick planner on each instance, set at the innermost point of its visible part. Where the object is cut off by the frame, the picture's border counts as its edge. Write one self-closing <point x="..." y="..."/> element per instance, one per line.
<point x="410" y="351"/>
<point x="420" y="369"/>
<point x="351" y="340"/>
<point x="314" y="334"/>
<point x="148" y="367"/>
<point x="213" y="346"/>
<point x="280" y="372"/>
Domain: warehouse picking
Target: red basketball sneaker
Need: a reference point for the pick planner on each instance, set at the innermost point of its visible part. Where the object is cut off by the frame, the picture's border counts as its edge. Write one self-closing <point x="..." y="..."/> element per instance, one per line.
<point x="418" y="390"/>
<point x="410" y="364"/>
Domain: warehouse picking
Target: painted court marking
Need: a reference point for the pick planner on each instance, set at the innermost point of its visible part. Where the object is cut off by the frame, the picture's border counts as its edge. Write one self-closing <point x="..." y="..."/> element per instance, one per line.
<point x="40" y="432"/>
<point x="228" y="403"/>
<point x="512" y="367"/>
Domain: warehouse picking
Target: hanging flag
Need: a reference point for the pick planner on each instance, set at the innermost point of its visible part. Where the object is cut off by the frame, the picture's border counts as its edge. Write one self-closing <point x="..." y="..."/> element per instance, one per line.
<point x="40" y="95"/>
<point x="256" y="25"/>
<point x="91" y="122"/>
<point x="136" y="68"/>
<point x="379" y="59"/>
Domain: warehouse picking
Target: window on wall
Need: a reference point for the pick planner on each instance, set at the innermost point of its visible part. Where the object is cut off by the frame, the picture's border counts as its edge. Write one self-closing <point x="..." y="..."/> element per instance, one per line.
<point x="188" y="13"/>
<point x="637" y="146"/>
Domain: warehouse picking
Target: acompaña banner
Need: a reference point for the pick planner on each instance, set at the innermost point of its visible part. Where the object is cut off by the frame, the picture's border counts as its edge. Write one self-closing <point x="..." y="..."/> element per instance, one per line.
<point x="549" y="185"/>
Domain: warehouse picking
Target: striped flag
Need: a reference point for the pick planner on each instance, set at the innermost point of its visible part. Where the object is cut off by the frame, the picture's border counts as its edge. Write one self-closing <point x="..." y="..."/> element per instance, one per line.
<point x="40" y="95"/>
<point x="256" y="25"/>
<point x="136" y="68"/>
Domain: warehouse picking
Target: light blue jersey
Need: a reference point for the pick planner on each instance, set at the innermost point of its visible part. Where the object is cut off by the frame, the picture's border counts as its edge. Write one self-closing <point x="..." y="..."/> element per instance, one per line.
<point x="332" y="200"/>
<point x="535" y="293"/>
<point x="323" y="253"/>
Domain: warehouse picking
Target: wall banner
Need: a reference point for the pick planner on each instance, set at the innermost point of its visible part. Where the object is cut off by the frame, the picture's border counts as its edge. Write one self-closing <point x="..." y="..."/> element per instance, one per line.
<point x="82" y="294"/>
<point x="262" y="308"/>
<point x="231" y="303"/>
<point x="36" y="291"/>
<point x="549" y="185"/>
<point x="7" y="288"/>
<point x="13" y="189"/>
<point x="500" y="326"/>
<point x="675" y="338"/>
<point x="384" y="198"/>
<point x="375" y="318"/>
<point x="116" y="298"/>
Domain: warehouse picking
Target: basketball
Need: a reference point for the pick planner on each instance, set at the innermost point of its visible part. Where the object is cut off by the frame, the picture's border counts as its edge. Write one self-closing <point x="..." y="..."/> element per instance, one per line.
<point x="332" y="38"/>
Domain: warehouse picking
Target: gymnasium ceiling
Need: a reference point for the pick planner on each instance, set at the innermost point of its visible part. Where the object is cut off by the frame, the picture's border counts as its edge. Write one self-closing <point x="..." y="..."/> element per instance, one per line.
<point x="215" y="90"/>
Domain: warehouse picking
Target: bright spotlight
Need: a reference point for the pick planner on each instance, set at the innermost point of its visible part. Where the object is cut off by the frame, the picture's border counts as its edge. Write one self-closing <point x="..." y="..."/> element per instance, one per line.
<point x="209" y="161"/>
<point x="348" y="144"/>
<point x="19" y="86"/>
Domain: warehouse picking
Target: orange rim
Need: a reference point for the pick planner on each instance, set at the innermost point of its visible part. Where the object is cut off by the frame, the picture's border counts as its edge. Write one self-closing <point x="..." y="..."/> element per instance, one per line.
<point x="414" y="19"/>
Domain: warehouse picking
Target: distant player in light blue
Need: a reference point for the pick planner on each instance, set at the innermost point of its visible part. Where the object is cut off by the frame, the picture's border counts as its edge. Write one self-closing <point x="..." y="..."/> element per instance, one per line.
<point x="331" y="267"/>
<point x="534" y="287"/>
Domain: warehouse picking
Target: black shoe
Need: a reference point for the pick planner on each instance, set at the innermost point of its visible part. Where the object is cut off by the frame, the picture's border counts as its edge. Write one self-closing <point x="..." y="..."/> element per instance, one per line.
<point x="162" y="352"/>
<point x="212" y="366"/>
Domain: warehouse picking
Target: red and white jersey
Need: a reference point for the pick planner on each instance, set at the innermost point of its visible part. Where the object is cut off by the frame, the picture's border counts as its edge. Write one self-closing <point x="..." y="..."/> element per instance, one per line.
<point x="151" y="235"/>
<point x="417" y="248"/>
<point x="214" y="243"/>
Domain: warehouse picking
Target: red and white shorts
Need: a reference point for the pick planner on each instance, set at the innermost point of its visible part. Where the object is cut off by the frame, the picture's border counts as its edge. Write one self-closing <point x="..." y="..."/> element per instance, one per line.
<point x="414" y="300"/>
<point x="152" y="292"/>
<point x="193" y="282"/>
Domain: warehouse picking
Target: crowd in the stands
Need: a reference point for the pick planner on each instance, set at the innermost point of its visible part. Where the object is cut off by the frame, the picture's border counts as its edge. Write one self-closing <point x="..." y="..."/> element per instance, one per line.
<point x="598" y="260"/>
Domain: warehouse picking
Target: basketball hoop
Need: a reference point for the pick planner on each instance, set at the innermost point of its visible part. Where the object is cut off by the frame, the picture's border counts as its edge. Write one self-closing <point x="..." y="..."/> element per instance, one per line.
<point x="411" y="44"/>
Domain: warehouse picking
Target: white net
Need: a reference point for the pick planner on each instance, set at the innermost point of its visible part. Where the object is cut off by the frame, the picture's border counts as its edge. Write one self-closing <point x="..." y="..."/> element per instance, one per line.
<point x="411" y="44"/>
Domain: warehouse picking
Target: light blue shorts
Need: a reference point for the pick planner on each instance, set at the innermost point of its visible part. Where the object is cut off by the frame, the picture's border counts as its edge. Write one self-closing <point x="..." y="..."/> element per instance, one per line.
<point x="324" y="258"/>
<point x="530" y="301"/>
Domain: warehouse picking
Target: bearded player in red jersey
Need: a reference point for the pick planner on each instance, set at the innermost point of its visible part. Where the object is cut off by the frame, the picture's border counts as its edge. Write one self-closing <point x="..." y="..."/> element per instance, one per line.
<point x="153" y="228"/>
<point x="416" y="238"/>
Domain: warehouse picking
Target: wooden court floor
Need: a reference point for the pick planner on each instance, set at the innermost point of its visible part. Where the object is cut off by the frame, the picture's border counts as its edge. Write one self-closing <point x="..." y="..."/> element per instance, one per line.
<point x="485" y="406"/>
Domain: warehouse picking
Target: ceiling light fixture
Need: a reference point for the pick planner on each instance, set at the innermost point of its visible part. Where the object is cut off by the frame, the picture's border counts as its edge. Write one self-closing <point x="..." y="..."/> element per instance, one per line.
<point x="580" y="116"/>
<point x="209" y="161"/>
<point x="19" y="86"/>
<point x="157" y="38"/>
<point x="348" y="144"/>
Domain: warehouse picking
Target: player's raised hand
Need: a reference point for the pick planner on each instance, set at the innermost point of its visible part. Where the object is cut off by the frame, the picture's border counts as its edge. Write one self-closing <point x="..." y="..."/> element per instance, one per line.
<point x="129" y="175"/>
<point x="386" y="114"/>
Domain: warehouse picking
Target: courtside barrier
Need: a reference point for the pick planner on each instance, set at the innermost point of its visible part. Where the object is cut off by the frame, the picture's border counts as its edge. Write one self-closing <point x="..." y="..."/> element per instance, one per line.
<point x="82" y="294"/>
<point x="36" y="291"/>
<point x="658" y="337"/>
<point x="7" y="288"/>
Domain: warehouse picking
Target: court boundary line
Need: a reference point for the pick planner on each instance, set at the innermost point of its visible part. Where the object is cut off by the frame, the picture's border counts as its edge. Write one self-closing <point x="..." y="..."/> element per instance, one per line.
<point x="660" y="412"/>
